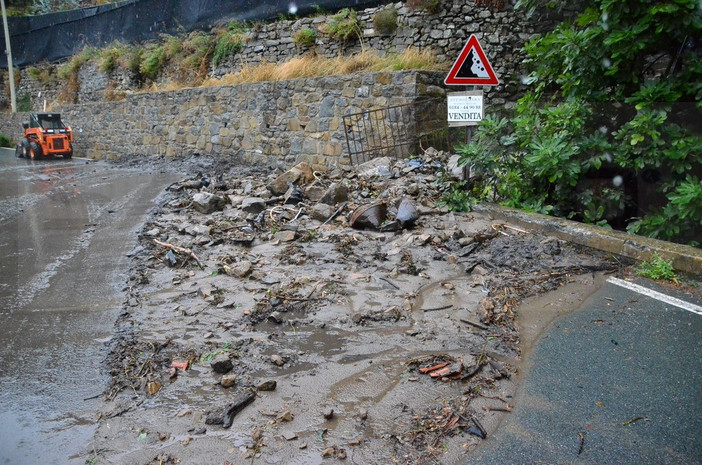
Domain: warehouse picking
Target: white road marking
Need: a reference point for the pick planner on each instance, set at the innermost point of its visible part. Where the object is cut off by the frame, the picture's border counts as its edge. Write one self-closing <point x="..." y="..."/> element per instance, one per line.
<point x="657" y="295"/>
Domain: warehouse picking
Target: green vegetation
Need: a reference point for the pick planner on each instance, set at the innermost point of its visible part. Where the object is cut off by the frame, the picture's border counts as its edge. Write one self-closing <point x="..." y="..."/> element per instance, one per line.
<point x="152" y="61"/>
<point x="208" y="356"/>
<point x="5" y="141"/>
<point x="613" y="99"/>
<point x="343" y="25"/>
<point x="72" y="67"/>
<point x="193" y="56"/>
<point x="455" y="198"/>
<point x="24" y="102"/>
<point x="385" y="21"/>
<point x="229" y="43"/>
<point x="657" y="268"/>
<point x="113" y="57"/>
<point x="305" y="37"/>
<point x="41" y="75"/>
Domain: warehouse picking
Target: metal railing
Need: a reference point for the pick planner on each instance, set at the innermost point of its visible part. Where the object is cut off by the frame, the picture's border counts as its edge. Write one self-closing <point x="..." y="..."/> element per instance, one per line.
<point x="398" y="131"/>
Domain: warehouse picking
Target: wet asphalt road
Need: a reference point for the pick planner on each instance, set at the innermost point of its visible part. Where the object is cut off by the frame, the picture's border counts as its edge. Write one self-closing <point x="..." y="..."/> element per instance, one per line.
<point x="619" y="381"/>
<point x="65" y="229"/>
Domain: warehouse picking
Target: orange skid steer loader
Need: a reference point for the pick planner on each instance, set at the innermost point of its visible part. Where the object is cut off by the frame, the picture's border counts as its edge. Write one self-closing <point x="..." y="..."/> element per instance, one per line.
<point x="45" y="135"/>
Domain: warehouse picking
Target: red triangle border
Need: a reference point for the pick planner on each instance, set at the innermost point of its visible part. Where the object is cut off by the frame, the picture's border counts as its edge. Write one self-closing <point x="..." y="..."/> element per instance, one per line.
<point x="453" y="80"/>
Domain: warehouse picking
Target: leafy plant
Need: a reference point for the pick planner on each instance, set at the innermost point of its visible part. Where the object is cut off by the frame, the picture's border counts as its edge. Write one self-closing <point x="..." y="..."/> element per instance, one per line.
<point x="610" y="111"/>
<point x="229" y="43"/>
<point x="385" y="21"/>
<point x="153" y="59"/>
<point x="305" y="37"/>
<point x="657" y="268"/>
<point x="343" y="25"/>
<point x="456" y="199"/>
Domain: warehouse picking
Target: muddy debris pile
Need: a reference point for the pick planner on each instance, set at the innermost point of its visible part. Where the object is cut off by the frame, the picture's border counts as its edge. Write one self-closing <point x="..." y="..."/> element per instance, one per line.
<point x="323" y="315"/>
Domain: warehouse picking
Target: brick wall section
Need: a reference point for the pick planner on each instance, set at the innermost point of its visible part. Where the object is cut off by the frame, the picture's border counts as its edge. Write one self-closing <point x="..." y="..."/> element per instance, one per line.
<point x="271" y="122"/>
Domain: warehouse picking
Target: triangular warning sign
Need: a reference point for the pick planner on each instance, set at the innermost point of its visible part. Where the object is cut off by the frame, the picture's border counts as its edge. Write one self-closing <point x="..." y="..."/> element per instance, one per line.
<point x="472" y="67"/>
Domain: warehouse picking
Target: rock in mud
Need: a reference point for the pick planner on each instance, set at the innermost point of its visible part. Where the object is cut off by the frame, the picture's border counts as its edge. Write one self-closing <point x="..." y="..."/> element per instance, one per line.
<point x="284" y="236"/>
<point x="267" y="386"/>
<point x="322" y="211"/>
<point x="206" y="202"/>
<point x="486" y="310"/>
<point x="228" y="381"/>
<point x="336" y="193"/>
<point x="221" y="364"/>
<point x="300" y="173"/>
<point x="225" y="415"/>
<point x="239" y="269"/>
<point x="253" y="205"/>
<point x="406" y="213"/>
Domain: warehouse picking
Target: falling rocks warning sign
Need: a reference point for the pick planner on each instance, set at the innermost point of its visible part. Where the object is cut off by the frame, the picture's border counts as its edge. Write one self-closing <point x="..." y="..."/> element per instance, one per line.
<point x="472" y="67"/>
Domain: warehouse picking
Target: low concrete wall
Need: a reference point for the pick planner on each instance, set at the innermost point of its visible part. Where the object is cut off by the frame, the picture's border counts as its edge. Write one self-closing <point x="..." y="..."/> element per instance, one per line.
<point x="684" y="258"/>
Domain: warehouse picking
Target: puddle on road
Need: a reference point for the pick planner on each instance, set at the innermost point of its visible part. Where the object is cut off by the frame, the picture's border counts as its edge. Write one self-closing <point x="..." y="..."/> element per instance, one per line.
<point x="64" y="233"/>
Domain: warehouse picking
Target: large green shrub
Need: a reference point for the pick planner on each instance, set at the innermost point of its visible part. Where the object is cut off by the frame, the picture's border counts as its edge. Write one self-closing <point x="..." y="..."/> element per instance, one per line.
<point x="618" y="93"/>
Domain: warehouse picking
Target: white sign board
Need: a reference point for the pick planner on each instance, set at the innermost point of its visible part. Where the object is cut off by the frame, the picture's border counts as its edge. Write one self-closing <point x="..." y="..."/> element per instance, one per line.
<point x="465" y="108"/>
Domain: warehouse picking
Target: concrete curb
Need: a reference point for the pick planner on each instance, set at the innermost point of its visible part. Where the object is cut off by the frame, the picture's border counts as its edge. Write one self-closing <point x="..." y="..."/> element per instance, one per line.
<point x="683" y="258"/>
<point x="5" y="151"/>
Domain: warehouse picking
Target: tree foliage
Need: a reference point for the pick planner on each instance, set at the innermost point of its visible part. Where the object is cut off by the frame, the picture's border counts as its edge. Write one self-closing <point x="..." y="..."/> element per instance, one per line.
<point x="609" y="129"/>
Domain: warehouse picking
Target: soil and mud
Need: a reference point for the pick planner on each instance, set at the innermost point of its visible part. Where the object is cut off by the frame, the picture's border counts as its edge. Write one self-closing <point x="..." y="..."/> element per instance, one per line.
<point x="267" y="321"/>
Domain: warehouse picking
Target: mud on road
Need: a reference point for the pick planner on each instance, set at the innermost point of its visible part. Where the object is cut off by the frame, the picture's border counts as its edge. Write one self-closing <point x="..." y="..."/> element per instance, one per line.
<point x="311" y="316"/>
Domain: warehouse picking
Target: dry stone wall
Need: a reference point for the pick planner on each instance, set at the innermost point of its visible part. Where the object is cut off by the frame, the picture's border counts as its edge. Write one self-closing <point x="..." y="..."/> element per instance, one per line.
<point x="286" y="121"/>
<point x="270" y="122"/>
<point x="501" y="30"/>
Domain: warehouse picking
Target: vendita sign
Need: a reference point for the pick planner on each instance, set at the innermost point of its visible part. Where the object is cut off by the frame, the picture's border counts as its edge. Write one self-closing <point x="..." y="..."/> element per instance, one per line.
<point x="465" y="108"/>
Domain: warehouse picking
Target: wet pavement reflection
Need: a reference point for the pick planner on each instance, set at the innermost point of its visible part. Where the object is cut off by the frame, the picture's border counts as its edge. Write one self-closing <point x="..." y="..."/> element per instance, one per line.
<point x="65" y="229"/>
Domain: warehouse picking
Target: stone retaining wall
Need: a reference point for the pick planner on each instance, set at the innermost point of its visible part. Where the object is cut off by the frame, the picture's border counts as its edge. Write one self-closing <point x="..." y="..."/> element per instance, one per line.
<point x="273" y="122"/>
<point x="501" y="30"/>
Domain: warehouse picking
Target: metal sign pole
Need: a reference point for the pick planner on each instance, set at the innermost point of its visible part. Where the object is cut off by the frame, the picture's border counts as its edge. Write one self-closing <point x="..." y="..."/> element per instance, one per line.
<point x="8" y="51"/>
<point x="469" y="129"/>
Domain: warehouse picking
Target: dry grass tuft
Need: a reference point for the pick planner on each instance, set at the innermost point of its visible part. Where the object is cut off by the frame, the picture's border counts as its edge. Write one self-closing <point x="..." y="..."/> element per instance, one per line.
<point x="314" y="66"/>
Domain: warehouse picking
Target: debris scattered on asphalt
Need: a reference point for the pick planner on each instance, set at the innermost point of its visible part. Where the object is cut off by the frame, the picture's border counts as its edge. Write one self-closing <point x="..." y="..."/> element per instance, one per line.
<point x="296" y="287"/>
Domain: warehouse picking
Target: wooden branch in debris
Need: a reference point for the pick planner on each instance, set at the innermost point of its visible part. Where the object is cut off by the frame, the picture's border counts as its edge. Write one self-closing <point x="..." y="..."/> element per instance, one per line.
<point x="182" y="250"/>
<point x="474" y="324"/>
<point x="437" y="309"/>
